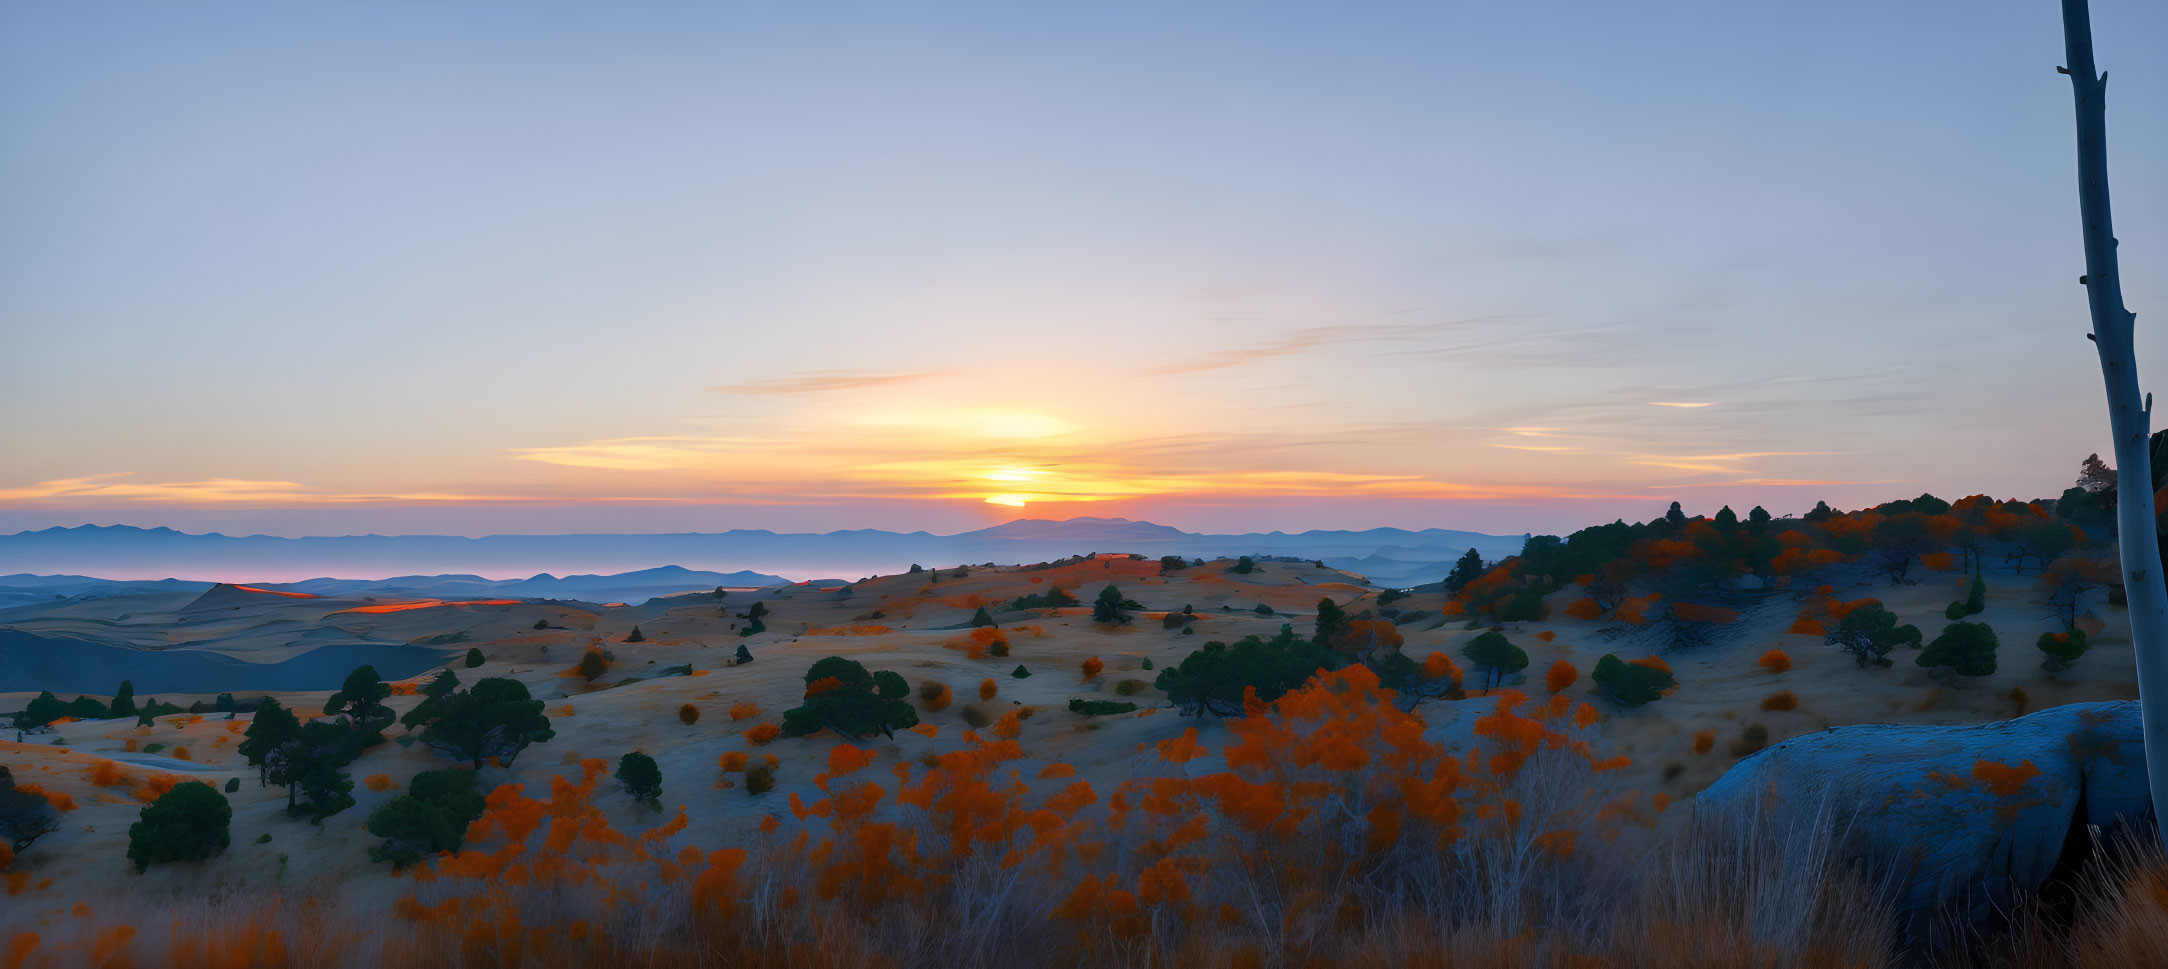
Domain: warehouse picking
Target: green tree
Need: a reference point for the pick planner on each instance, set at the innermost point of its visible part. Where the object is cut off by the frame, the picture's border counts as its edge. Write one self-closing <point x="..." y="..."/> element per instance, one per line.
<point x="1244" y="566"/>
<point x="493" y="718"/>
<point x="540" y="624"/>
<point x="1111" y="607"/>
<point x="1967" y="647"/>
<point x="636" y="636"/>
<point x="44" y="709"/>
<point x="758" y="612"/>
<point x="430" y="818"/>
<point x="592" y="665"/>
<point x="321" y="787"/>
<point x="1758" y="519"/>
<point x="744" y="655"/>
<point x="1976" y="597"/>
<point x="1020" y="672"/>
<point x="25" y="816"/>
<point x="1332" y="624"/>
<point x="1674" y="516"/>
<point x="2062" y="649"/>
<point x="1214" y="678"/>
<point x="474" y="657"/>
<point x="362" y="698"/>
<point x="427" y="711"/>
<point x="1630" y="684"/>
<point x="855" y="704"/>
<point x="641" y="777"/>
<point x="1870" y="632"/>
<point x="124" y="704"/>
<point x="1727" y="519"/>
<point x="271" y="730"/>
<point x="981" y="618"/>
<point x="189" y="822"/>
<point x="1495" y="655"/>
<point x="1468" y="569"/>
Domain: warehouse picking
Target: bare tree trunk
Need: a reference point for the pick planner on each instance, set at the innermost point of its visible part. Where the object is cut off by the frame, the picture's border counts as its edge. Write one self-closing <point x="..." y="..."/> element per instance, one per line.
<point x="2129" y="415"/>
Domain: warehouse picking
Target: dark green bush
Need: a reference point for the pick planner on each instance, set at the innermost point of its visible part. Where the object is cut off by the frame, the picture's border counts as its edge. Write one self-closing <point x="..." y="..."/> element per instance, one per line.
<point x="189" y="822"/>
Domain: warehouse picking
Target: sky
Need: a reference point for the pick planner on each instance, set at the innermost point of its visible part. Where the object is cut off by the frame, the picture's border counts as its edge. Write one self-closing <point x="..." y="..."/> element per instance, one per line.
<point x="498" y="267"/>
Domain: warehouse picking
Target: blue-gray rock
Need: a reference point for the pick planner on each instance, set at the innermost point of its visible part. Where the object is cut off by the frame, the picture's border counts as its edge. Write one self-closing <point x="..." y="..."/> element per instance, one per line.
<point x="1957" y="812"/>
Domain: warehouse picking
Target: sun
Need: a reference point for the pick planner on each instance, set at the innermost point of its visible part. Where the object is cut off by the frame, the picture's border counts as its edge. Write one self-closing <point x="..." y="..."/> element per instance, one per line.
<point x="1013" y="501"/>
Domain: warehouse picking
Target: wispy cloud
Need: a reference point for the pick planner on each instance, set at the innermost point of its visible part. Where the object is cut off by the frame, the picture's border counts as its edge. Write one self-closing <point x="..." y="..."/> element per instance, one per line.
<point x="119" y="485"/>
<point x="823" y="381"/>
<point x="1317" y="337"/>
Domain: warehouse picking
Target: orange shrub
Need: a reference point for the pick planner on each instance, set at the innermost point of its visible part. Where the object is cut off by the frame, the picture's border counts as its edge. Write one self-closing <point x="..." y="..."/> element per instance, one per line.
<point x="1704" y="741"/>
<point x="762" y="734"/>
<point x="1698" y="612"/>
<point x="2001" y="779"/>
<point x="732" y="762"/>
<point x="1056" y="770"/>
<point x="1586" y="608"/>
<point x="1839" y="610"/>
<point x="1635" y="611"/>
<point x="1093" y="667"/>
<point x="1804" y="626"/>
<point x="378" y="782"/>
<point x="1438" y="666"/>
<point x="1782" y="700"/>
<point x="744" y="711"/>
<point x="181" y="753"/>
<point x="1560" y="676"/>
<point x="987" y="688"/>
<point x="1776" y="660"/>
<point x="108" y="774"/>
<point x="1939" y="561"/>
<point x="935" y="697"/>
<point x="689" y="714"/>
<point x="1653" y="662"/>
<point x="155" y="786"/>
<point x="1824" y="556"/>
<point x="7" y="860"/>
<point x="60" y="800"/>
<point x="1547" y="636"/>
<point x="1009" y="727"/>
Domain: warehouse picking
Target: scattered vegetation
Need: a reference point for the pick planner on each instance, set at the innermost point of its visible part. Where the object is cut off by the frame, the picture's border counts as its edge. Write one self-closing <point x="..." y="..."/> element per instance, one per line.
<point x="191" y="821"/>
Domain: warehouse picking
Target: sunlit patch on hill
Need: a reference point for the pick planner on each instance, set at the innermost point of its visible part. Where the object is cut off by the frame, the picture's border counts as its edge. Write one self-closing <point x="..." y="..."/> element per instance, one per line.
<point x="275" y="592"/>
<point x="428" y="604"/>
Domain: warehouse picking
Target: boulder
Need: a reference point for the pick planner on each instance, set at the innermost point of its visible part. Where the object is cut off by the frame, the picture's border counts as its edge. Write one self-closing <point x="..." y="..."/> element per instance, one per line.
<point x="1964" y="814"/>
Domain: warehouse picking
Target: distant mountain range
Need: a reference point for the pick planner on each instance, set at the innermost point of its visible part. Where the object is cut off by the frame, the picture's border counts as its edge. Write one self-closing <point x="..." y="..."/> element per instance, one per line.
<point x="124" y="552"/>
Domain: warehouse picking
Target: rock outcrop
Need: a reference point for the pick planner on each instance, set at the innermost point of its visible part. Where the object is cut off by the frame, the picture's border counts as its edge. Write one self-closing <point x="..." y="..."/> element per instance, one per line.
<point x="1963" y="814"/>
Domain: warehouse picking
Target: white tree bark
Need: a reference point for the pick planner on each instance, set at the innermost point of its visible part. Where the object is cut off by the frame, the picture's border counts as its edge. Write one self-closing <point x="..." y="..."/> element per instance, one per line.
<point x="2129" y="414"/>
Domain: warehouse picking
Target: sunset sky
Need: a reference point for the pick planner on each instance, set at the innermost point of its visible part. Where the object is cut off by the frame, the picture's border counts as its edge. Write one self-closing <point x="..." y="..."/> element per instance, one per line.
<point x="527" y="267"/>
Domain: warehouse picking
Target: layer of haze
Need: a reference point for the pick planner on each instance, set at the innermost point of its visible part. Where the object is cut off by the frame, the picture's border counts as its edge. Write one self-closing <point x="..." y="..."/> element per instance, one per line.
<point x="528" y="267"/>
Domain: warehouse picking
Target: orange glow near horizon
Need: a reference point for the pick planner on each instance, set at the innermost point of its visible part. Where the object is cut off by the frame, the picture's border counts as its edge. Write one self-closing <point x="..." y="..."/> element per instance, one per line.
<point x="275" y="592"/>
<point x="428" y="604"/>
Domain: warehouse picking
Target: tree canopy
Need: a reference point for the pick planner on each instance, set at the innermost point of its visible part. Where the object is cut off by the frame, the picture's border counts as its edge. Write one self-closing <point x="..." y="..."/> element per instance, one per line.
<point x="841" y="696"/>
<point x="431" y="817"/>
<point x="1967" y="647"/>
<point x="1214" y="678"/>
<point x="493" y="718"/>
<point x="191" y="821"/>
<point x="1495" y="655"/>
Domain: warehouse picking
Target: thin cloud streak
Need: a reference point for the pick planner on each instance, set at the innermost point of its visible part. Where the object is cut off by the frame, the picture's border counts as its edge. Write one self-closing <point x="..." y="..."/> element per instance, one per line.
<point x="825" y="381"/>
